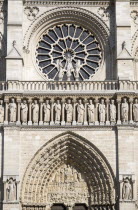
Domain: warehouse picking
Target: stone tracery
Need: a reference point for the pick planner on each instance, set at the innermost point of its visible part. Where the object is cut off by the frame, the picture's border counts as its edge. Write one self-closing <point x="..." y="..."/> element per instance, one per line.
<point x="65" y="153"/>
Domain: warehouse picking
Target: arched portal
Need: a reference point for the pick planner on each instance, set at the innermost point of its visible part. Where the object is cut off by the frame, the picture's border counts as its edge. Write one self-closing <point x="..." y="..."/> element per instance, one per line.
<point x="68" y="170"/>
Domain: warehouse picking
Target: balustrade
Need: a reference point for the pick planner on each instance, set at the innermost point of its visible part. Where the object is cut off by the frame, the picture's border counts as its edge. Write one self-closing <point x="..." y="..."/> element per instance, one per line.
<point x="69" y="111"/>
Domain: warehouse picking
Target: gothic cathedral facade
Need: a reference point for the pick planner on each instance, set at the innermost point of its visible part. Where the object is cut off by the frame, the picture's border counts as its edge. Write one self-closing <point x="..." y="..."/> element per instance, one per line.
<point x="68" y="105"/>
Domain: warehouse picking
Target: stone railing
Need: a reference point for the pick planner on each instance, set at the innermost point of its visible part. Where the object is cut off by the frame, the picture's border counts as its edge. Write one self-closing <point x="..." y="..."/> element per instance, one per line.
<point x="123" y="85"/>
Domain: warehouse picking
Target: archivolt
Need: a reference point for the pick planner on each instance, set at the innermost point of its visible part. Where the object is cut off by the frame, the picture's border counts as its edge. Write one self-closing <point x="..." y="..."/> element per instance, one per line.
<point x="70" y="149"/>
<point x="68" y="14"/>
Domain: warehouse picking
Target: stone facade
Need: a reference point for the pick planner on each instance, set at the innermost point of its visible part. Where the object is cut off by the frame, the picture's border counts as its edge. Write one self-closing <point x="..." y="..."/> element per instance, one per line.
<point x="68" y="105"/>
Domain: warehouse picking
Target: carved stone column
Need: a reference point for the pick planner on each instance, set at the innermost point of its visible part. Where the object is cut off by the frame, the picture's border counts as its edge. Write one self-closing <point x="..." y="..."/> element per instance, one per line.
<point x="52" y="112"/>
<point x="30" y="112"/>
<point x="41" y="111"/>
<point x="74" y="112"/>
<point x="107" y="112"/>
<point x="130" y="110"/>
<point x="118" y="111"/>
<point x="63" y="112"/>
<point x="96" y="111"/>
<point x="18" y="111"/>
<point x="6" y="100"/>
<point x="85" y="113"/>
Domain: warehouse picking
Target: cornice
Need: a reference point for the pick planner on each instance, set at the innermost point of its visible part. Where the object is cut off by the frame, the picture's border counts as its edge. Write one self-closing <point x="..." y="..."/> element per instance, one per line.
<point x="65" y="2"/>
<point x="134" y="3"/>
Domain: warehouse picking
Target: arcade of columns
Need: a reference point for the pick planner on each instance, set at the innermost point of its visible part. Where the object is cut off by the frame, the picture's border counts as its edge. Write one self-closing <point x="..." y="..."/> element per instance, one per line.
<point x="69" y="110"/>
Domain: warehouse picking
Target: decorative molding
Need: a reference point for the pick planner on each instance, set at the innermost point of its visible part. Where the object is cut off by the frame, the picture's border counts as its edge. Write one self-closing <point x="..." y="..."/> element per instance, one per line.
<point x="134" y="16"/>
<point x="64" y="150"/>
<point x="31" y="12"/>
<point x="104" y="13"/>
<point x="69" y="3"/>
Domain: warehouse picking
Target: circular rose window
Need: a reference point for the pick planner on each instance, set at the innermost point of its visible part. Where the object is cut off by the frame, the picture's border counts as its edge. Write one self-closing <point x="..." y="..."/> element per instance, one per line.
<point x="68" y="52"/>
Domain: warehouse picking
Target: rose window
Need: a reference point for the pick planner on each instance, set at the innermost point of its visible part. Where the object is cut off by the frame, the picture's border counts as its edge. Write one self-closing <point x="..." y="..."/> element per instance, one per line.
<point x="68" y="52"/>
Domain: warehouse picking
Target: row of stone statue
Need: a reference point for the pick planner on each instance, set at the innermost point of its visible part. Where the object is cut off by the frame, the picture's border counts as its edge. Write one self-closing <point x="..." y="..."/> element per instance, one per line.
<point x="67" y="112"/>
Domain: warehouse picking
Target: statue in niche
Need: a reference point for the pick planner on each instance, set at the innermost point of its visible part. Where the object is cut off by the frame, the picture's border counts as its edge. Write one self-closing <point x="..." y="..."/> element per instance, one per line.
<point x="77" y="69"/>
<point x="102" y="111"/>
<point x="69" y="111"/>
<point x="112" y="111"/>
<point x="127" y="189"/>
<point x="80" y="111"/>
<point x="60" y="69"/>
<point x="35" y="108"/>
<point x="24" y="111"/>
<point x="125" y="110"/>
<point x="90" y="108"/>
<point x="12" y="110"/>
<point x="135" y="110"/>
<point x="46" y="111"/>
<point x="57" y="111"/>
<point x="10" y="190"/>
<point x="1" y="111"/>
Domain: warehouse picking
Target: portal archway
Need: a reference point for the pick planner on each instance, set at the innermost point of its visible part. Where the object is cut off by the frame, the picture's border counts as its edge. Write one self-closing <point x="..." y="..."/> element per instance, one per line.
<point x="68" y="170"/>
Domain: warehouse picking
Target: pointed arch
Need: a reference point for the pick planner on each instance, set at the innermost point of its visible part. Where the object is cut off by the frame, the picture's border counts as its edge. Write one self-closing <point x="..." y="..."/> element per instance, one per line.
<point x="74" y="150"/>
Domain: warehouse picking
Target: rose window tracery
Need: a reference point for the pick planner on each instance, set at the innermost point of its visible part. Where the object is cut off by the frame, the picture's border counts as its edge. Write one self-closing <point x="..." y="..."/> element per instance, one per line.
<point x="68" y="52"/>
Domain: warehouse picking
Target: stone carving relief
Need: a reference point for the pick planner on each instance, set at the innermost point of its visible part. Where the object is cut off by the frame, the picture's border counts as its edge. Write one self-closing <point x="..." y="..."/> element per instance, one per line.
<point x="67" y="186"/>
<point x="134" y="16"/>
<point x="2" y="46"/>
<point x="12" y="111"/>
<point x="24" y="112"/>
<point x="102" y="111"/>
<point x="104" y="13"/>
<point x="69" y="111"/>
<point x="11" y="190"/>
<point x="31" y="12"/>
<point x="1" y="111"/>
<point x="2" y="16"/>
<point x="112" y="111"/>
<point x="80" y="111"/>
<point x="35" y="112"/>
<point x="127" y="189"/>
<point x="124" y="110"/>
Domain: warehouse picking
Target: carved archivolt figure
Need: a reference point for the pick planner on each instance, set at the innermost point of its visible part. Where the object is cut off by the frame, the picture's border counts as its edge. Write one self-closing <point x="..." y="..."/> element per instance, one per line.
<point x="135" y="110"/>
<point x="1" y="111"/>
<point x="124" y="110"/>
<point x="91" y="112"/>
<point x="57" y="111"/>
<point x="35" y="108"/>
<point x="12" y="110"/>
<point x="24" y="111"/>
<point x="127" y="189"/>
<point x="69" y="111"/>
<point x="102" y="111"/>
<point x="10" y="190"/>
<point x="112" y="111"/>
<point x="46" y="111"/>
<point x="80" y="111"/>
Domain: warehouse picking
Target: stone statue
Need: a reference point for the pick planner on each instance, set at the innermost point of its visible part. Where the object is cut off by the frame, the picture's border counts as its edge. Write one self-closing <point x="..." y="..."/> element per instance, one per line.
<point x="24" y="111"/>
<point x="127" y="189"/>
<point x="12" y="110"/>
<point x="112" y="111"/>
<point x="80" y="111"/>
<point x="77" y="69"/>
<point x="1" y="111"/>
<point x="69" y="66"/>
<point x="10" y="190"/>
<point x="125" y="110"/>
<point x="35" y="108"/>
<point x="135" y="110"/>
<point x="60" y="69"/>
<point x="90" y="112"/>
<point x="57" y="111"/>
<point x="69" y="111"/>
<point x="102" y="111"/>
<point x="46" y="111"/>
